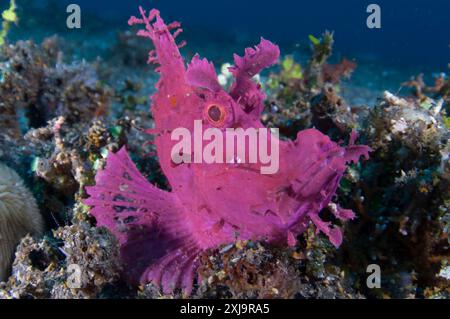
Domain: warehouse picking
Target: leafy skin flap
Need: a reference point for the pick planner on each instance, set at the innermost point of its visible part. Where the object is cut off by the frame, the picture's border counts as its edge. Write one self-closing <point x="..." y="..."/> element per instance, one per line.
<point x="201" y="73"/>
<point x="245" y="68"/>
<point x="162" y="233"/>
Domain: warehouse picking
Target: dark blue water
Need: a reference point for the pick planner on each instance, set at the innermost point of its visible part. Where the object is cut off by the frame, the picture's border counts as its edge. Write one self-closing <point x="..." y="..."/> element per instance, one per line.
<point x="414" y="32"/>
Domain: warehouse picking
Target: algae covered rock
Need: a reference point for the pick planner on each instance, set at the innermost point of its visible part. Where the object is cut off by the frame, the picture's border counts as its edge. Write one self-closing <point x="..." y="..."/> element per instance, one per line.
<point x="402" y="197"/>
<point x="249" y="269"/>
<point x="79" y="262"/>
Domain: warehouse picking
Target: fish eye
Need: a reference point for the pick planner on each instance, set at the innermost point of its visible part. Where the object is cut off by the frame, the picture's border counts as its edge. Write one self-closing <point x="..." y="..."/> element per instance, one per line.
<point x="216" y="114"/>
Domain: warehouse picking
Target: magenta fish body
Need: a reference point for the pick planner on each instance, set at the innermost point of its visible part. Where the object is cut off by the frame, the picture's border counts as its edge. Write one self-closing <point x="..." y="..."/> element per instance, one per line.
<point x="162" y="233"/>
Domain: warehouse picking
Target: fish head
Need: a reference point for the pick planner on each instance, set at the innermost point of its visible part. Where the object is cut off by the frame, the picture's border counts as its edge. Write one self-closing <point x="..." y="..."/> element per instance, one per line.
<point x="243" y="104"/>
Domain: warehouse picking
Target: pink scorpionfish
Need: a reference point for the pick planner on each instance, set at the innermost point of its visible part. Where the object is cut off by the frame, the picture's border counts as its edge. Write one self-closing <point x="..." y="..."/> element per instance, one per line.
<point x="162" y="233"/>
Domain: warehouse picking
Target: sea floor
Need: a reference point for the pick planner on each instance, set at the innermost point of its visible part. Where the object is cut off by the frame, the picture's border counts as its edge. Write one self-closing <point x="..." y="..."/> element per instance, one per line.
<point x="94" y="86"/>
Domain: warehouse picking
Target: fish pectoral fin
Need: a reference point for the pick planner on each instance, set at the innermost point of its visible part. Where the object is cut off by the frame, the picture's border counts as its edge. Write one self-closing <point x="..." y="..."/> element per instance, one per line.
<point x="155" y="244"/>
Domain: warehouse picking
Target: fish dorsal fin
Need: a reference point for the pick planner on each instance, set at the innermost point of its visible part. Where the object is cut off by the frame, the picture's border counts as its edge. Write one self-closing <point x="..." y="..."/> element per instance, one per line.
<point x="166" y="52"/>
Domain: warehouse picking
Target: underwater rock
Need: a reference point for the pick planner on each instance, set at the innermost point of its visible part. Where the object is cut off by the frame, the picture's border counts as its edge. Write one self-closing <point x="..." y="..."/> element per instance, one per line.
<point x="42" y="269"/>
<point x="408" y="235"/>
<point x="247" y="270"/>
<point x="331" y="114"/>
<point x="35" y="79"/>
<point x="66" y="154"/>
<point x="63" y="165"/>
<point x="74" y="91"/>
<point x="251" y="270"/>
<point x="95" y="251"/>
<point x="26" y="280"/>
<point x="19" y="216"/>
<point x="22" y="67"/>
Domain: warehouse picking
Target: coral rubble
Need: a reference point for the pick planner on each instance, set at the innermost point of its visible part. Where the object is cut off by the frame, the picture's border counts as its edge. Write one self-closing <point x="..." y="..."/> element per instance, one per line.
<point x="42" y="269"/>
<point x="402" y="193"/>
